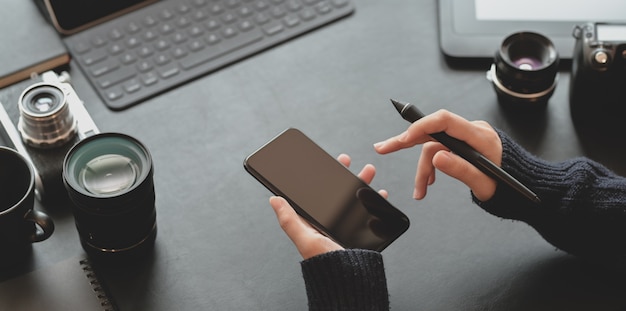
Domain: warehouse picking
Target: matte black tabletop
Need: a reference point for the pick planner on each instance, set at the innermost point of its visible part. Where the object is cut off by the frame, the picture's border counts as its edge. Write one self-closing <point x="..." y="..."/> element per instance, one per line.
<point x="219" y="246"/>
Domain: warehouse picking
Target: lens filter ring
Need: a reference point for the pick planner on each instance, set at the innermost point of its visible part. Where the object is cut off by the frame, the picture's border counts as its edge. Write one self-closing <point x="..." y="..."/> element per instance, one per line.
<point x="106" y="169"/>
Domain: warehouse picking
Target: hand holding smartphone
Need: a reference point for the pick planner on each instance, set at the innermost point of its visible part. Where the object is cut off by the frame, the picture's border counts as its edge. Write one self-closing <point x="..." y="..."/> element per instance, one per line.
<point x="326" y="193"/>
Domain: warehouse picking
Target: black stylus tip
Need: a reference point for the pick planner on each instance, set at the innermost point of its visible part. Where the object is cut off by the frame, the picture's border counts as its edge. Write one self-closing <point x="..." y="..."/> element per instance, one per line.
<point x="399" y="106"/>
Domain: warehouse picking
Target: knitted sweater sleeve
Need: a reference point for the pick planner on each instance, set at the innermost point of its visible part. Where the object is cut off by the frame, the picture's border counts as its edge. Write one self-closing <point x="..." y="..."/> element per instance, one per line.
<point x="351" y="279"/>
<point x="583" y="209"/>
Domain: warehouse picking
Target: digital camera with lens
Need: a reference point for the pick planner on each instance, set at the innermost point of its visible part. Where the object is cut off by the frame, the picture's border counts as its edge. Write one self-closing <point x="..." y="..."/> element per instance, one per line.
<point x="52" y="118"/>
<point x="597" y="92"/>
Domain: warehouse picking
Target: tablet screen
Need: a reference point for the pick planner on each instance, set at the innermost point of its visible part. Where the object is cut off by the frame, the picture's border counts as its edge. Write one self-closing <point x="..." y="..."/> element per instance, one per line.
<point x="549" y="10"/>
<point x="476" y="28"/>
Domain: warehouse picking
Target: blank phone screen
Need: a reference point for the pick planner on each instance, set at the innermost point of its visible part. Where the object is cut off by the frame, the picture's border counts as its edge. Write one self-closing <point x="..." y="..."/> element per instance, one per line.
<point x="325" y="192"/>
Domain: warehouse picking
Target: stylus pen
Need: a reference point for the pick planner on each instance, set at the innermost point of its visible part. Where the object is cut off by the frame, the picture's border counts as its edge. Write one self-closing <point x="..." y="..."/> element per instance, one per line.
<point x="459" y="147"/>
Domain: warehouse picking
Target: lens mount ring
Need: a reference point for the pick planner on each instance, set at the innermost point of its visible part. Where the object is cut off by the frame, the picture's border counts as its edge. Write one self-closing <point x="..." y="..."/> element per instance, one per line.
<point x="492" y="76"/>
<point x="136" y="244"/>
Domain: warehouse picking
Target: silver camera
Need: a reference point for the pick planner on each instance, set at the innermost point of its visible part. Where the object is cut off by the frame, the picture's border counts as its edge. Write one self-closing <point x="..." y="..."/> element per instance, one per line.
<point x="52" y="119"/>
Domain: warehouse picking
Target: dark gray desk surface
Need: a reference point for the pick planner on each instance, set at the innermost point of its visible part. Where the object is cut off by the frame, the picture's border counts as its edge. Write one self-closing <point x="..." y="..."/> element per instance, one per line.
<point x="219" y="246"/>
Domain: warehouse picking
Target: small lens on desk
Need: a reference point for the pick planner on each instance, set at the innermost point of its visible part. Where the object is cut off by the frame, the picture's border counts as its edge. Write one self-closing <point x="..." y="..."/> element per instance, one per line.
<point x="109" y="179"/>
<point x="525" y="70"/>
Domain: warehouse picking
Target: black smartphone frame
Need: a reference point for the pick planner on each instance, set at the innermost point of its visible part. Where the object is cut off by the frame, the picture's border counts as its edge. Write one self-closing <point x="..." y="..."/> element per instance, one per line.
<point x="326" y="193"/>
<point x="71" y="16"/>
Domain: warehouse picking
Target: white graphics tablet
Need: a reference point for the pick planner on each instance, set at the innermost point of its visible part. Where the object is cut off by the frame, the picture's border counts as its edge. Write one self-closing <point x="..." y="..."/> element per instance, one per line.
<point x="476" y="28"/>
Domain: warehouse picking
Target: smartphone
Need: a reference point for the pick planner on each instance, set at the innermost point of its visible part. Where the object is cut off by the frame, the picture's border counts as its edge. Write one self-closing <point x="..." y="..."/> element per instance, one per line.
<point x="325" y="192"/>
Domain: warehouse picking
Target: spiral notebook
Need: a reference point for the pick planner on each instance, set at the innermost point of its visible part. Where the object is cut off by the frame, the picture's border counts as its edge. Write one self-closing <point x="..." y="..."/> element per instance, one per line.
<point x="70" y="285"/>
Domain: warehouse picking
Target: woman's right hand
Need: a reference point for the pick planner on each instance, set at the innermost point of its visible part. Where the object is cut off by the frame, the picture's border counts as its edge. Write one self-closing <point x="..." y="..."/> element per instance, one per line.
<point x="478" y="134"/>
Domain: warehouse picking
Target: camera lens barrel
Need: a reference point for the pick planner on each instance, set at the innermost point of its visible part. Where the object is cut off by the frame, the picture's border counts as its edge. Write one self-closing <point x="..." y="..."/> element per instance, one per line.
<point x="109" y="179"/>
<point x="45" y="117"/>
<point x="525" y="70"/>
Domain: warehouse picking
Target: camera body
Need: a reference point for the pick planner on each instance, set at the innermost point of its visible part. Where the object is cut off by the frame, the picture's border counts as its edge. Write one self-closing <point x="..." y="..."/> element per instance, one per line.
<point x="598" y="82"/>
<point x="52" y="119"/>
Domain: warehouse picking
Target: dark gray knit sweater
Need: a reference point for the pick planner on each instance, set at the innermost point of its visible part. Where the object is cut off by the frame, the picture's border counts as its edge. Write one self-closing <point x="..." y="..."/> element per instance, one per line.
<point x="583" y="212"/>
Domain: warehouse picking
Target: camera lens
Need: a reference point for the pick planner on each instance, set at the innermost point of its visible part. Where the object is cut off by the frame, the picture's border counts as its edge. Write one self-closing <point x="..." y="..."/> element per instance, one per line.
<point x="524" y="73"/>
<point x="109" y="179"/>
<point x="45" y="117"/>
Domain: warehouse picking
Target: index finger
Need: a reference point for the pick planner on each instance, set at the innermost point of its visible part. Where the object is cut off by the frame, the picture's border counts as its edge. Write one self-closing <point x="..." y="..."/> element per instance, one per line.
<point x="476" y="134"/>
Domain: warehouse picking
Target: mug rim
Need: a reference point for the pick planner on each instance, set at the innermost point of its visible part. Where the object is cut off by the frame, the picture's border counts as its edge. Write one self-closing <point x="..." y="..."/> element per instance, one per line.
<point x="31" y="184"/>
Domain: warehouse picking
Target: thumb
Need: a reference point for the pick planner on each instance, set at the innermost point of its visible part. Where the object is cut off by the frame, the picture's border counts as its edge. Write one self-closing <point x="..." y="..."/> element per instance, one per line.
<point x="288" y="219"/>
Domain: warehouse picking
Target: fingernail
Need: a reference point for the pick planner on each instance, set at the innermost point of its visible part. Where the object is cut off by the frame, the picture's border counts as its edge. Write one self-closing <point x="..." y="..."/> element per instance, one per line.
<point x="379" y="144"/>
<point x="416" y="194"/>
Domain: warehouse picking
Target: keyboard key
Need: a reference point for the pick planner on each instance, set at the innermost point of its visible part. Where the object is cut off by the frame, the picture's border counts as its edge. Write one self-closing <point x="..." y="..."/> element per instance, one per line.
<point x="104" y="67"/>
<point x="145" y="51"/>
<point x="149" y="78"/>
<point x="178" y="38"/>
<point x="131" y="86"/>
<point x="144" y="66"/>
<point x="273" y="28"/>
<point x="133" y="27"/>
<point x="98" y="41"/>
<point x="195" y="31"/>
<point x="167" y="72"/>
<point x="179" y="52"/>
<point x="291" y="21"/>
<point x="116" y="34"/>
<point x="196" y="45"/>
<point x="128" y="58"/>
<point x="94" y="57"/>
<point x="150" y="35"/>
<point x="81" y="47"/>
<point x="120" y="75"/>
<point x="114" y="94"/>
<point x="116" y="48"/>
<point x="161" y="59"/>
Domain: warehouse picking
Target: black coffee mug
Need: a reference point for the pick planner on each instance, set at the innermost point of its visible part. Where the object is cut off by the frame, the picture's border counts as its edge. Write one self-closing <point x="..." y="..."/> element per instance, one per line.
<point x="20" y="224"/>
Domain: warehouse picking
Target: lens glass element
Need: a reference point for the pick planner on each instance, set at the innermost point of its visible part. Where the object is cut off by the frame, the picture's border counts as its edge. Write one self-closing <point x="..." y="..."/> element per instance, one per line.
<point x="527" y="63"/>
<point x="44" y="102"/>
<point x="108" y="174"/>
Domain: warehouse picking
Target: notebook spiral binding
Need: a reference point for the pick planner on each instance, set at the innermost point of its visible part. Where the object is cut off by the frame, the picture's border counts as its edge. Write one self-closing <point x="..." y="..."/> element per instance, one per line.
<point x="105" y="301"/>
